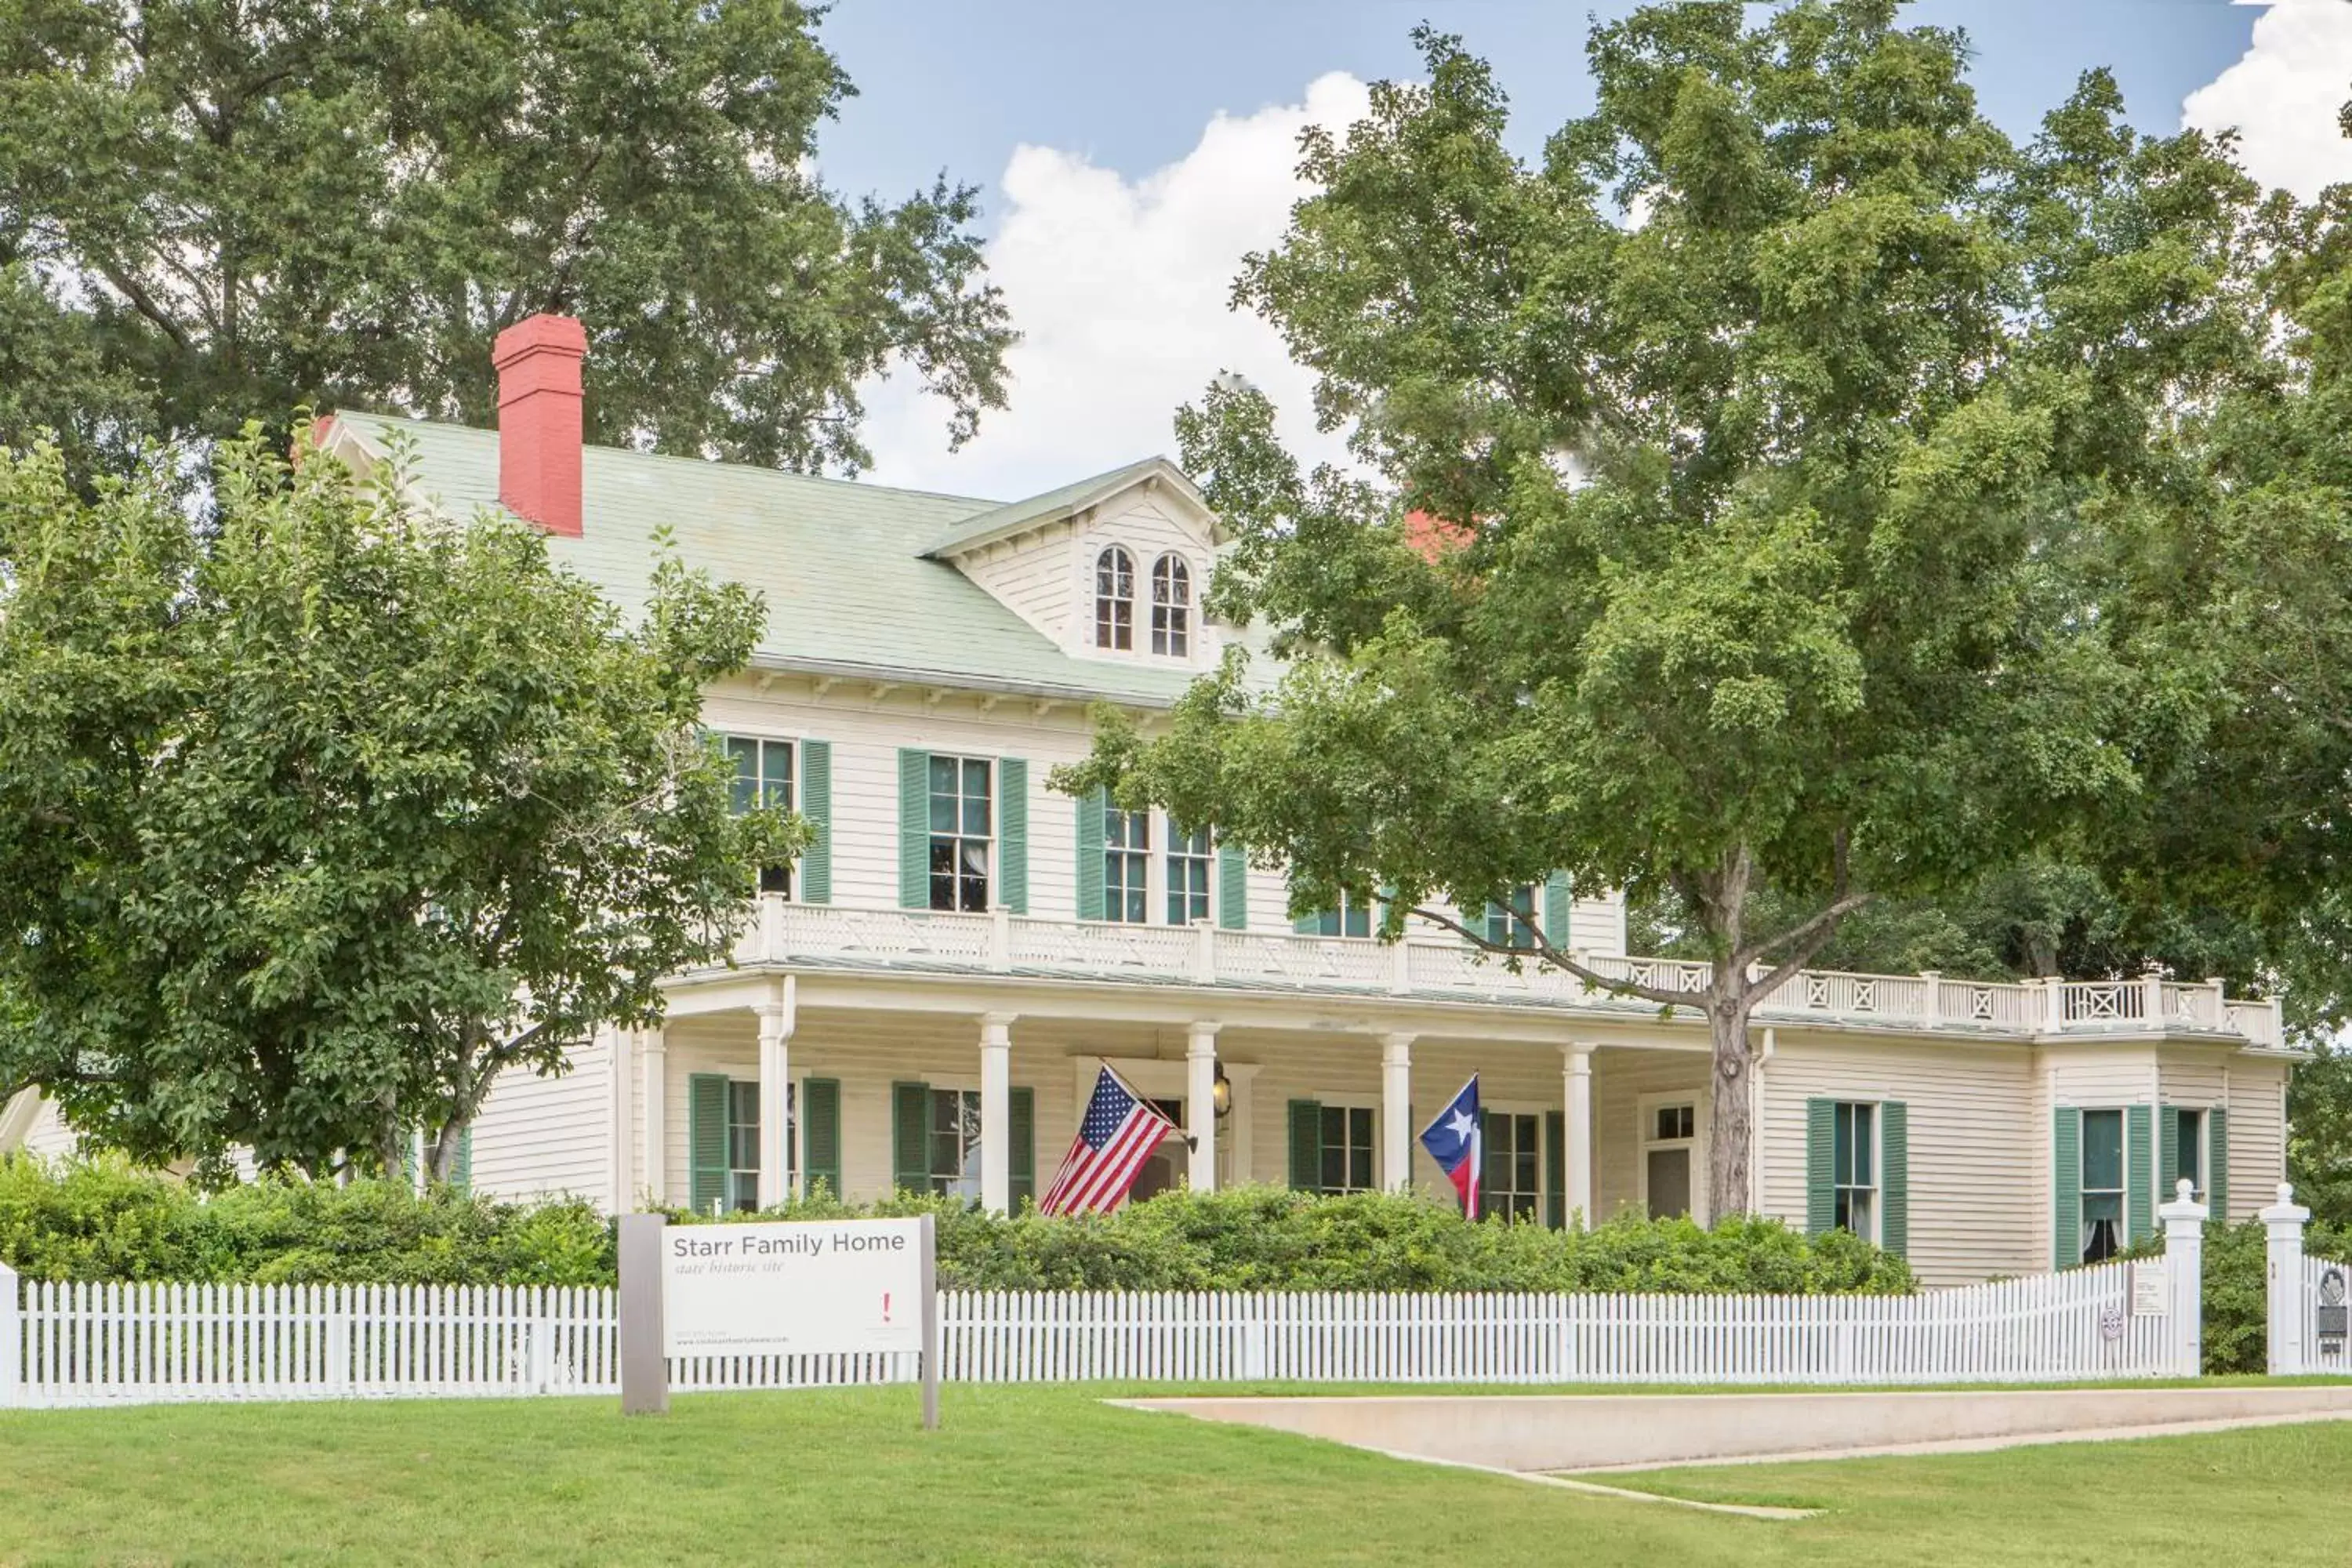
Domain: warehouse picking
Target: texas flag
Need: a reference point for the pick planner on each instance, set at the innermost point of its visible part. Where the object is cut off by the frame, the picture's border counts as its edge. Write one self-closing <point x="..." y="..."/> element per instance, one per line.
<point x="1452" y="1141"/>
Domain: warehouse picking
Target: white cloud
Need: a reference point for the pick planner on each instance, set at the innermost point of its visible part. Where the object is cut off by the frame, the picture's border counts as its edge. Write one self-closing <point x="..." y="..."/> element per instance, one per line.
<point x="2283" y="94"/>
<point x="1119" y="289"/>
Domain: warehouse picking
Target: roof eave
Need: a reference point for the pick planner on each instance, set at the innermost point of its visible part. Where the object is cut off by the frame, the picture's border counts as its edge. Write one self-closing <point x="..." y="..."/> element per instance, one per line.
<point x="896" y="675"/>
<point x="1151" y="470"/>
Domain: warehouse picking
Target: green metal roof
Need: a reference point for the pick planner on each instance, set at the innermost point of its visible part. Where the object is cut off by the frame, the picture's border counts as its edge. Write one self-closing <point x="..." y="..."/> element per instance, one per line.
<point x="842" y="566"/>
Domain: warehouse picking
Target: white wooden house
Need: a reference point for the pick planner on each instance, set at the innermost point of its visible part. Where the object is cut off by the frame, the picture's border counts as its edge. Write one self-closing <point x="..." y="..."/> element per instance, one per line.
<point x="926" y="994"/>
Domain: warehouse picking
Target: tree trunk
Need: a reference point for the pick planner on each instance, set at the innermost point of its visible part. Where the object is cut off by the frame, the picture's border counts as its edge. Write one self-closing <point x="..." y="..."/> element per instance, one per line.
<point x="1731" y="1106"/>
<point x="445" y="1148"/>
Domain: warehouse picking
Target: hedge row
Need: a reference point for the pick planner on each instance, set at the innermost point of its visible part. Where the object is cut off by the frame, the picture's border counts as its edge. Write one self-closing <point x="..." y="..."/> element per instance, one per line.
<point x="103" y="1222"/>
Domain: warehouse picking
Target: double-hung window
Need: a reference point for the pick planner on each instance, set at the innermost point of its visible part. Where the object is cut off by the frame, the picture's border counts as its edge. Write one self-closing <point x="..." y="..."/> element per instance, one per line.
<point x="1188" y="876"/>
<point x="742" y="1191"/>
<point x="1126" y="865"/>
<point x="962" y="826"/>
<point x="1510" y="1167"/>
<point x="2189" y="1128"/>
<point x="763" y="777"/>
<point x="2102" y="1184"/>
<point x="1171" y="606"/>
<point x="1512" y="923"/>
<point x="954" y="1142"/>
<point x="1354" y="917"/>
<point x="1346" y="1149"/>
<point x="1115" y="600"/>
<point x="1854" y="1169"/>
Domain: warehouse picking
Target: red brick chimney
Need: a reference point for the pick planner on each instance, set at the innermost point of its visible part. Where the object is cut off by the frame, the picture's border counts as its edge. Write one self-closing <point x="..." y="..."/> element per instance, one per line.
<point x="537" y="361"/>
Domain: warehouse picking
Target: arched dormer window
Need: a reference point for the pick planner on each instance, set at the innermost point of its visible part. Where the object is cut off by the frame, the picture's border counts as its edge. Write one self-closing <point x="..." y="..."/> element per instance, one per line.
<point x="1115" y="599"/>
<point x="1171" y="606"/>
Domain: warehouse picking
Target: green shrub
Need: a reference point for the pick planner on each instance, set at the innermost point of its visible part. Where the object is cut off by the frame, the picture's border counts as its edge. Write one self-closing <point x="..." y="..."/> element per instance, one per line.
<point x="102" y="1221"/>
<point x="1270" y="1238"/>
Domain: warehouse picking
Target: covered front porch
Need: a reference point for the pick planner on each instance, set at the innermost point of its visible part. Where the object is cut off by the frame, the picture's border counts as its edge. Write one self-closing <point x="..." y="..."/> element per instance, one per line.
<point x="976" y="1090"/>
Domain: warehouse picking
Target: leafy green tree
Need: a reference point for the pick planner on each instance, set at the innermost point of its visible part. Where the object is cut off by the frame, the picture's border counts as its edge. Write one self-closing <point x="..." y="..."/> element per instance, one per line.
<point x="1738" y="476"/>
<point x="217" y="208"/>
<point x="2036" y="918"/>
<point x="317" y="814"/>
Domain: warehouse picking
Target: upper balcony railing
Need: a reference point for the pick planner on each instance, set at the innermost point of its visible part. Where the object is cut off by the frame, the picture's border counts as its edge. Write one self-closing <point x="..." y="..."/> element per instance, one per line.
<point x="781" y="932"/>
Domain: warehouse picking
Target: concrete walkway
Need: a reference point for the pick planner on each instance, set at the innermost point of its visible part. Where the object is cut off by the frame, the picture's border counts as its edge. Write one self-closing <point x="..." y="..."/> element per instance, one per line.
<point x="1529" y="1433"/>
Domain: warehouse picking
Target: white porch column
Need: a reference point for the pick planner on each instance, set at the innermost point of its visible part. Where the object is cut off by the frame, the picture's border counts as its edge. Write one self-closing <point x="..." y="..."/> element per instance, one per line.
<point x="1201" y="1105"/>
<point x="996" y="1111"/>
<point x="2184" y="1280"/>
<point x="1576" y="1159"/>
<point x="2289" y="1312"/>
<point x="778" y="1017"/>
<point x="1396" y="1111"/>
<point x="654" y="1051"/>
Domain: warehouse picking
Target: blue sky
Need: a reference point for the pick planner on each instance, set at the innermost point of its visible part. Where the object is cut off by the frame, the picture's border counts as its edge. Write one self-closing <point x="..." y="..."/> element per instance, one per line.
<point x="953" y="84"/>
<point x="1128" y="153"/>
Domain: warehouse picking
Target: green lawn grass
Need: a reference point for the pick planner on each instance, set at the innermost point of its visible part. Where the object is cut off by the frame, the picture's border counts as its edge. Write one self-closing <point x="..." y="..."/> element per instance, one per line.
<point x="1053" y="1476"/>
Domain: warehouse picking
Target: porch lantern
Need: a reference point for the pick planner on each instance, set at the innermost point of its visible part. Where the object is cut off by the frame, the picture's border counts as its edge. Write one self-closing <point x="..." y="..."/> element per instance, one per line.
<point x="1221" y="1094"/>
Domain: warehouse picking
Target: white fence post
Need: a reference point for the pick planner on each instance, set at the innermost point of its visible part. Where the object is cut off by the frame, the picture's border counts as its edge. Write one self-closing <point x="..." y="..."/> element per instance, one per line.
<point x="2283" y="1285"/>
<point x="12" y="1338"/>
<point x="2184" y="1280"/>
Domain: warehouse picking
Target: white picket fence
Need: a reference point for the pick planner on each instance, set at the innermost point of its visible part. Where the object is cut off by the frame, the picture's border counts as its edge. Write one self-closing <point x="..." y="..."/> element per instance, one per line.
<point x="101" y="1344"/>
<point x="2323" y="1353"/>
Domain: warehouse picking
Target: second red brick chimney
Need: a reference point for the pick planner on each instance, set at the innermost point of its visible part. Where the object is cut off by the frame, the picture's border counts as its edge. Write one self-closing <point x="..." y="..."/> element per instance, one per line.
<point x="538" y="362"/>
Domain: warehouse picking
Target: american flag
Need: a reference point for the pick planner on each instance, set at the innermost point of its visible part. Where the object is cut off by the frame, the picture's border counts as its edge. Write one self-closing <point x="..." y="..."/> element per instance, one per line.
<point x="1118" y="1132"/>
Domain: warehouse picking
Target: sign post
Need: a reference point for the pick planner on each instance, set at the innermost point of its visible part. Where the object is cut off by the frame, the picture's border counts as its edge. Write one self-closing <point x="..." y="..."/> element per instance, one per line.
<point x="852" y="1287"/>
<point x="645" y="1373"/>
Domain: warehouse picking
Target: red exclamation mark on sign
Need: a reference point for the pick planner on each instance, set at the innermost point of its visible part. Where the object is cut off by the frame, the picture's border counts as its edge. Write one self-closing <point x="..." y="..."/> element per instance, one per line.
<point x="885" y="1306"/>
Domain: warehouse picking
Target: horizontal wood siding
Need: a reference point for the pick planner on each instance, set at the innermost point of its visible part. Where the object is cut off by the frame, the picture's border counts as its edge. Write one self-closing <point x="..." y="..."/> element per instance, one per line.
<point x="539" y="1137"/>
<point x="48" y="1138"/>
<point x="1031" y="574"/>
<point x="1598" y="925"/>
<point x="2257" y="1135"/>
<point x="1976" y="1142"/>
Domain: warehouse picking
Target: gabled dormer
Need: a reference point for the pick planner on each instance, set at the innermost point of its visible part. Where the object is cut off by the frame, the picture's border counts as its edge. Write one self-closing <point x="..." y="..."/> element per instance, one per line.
<point x="1112" y="567"/>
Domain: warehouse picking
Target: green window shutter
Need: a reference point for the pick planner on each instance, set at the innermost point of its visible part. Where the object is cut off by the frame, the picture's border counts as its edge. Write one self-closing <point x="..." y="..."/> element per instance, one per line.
<point x="1556" y="902"/>
<point x="2168" y="1151"/>
<point x="1556" y="1170"/>
<point x="821" y="1136"/>
<point x="914" y="830"/>
<point x="1012" y="833"/>
<point x="1091" y="807"/>
<point x="2067" y="1167"/>
<point x="910" y="1137"/>
<point x="461" y="1169"/>
<point x="706" y="1139"/>
<point x="816" y="807"/>
<point x="1821" y="1198"/>
<point x="1233" y="888"/>
<point x="1895" y="1177"/>
<point x="2138" y="1140"/>
<point x="1307" y="1145"/>
<point x="1021" y="1113"/>
<point x="2217" y="1162"/>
